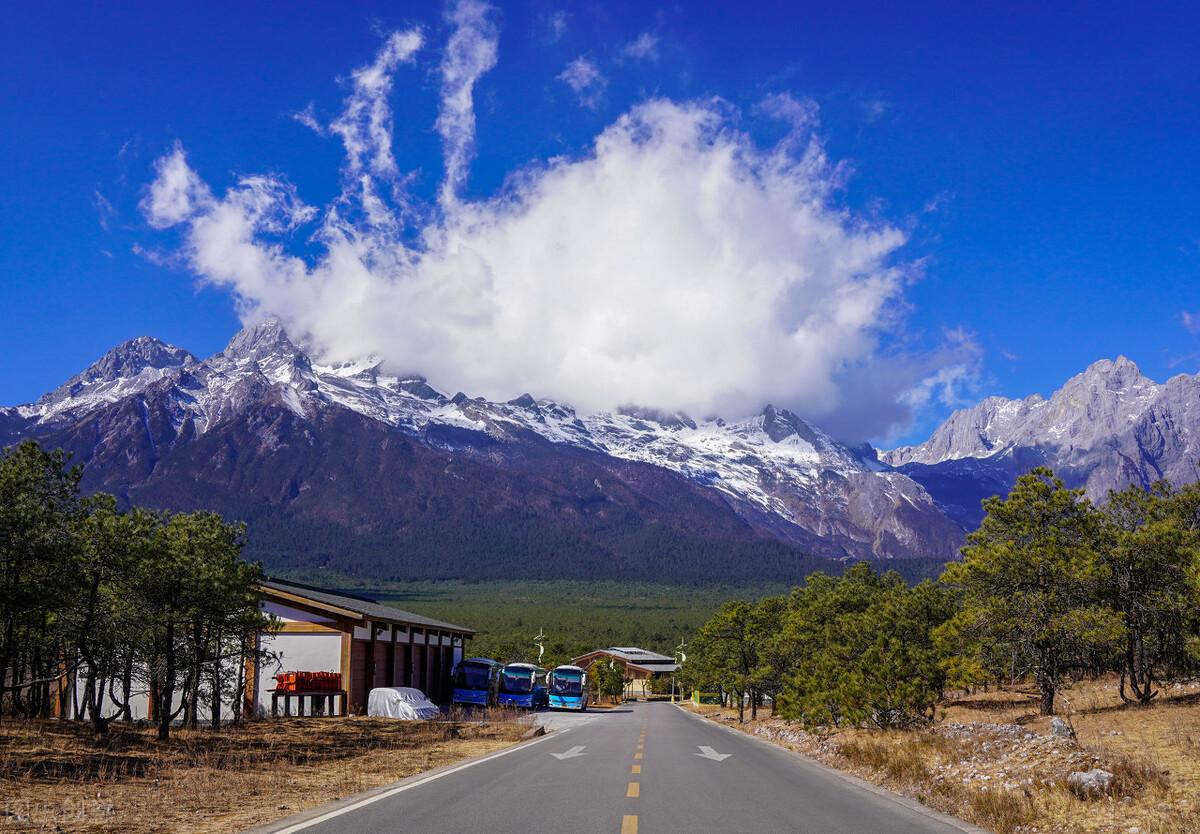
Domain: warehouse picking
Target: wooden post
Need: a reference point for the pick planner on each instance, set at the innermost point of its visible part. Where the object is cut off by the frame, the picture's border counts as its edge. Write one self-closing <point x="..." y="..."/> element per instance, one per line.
<point x="63" y="689"/>
<point x="369" y="676"/>
<point x="436" y="684"/>
<point x="347" y="644"/>
<point x="408" y="659"/>
<point x="419" y="663"/>
<point x="389" y="663"/>
<point x="250" y="690"/>
<point x="447" y="666"/>
<point x="429" y="670"/>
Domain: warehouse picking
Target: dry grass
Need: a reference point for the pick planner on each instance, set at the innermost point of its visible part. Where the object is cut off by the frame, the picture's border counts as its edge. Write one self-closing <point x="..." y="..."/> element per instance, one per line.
<point x="54" y="777"/>
<point x="1001" y="810"/>
<point x="901" y="762"/>
<point x="989" y="759"/>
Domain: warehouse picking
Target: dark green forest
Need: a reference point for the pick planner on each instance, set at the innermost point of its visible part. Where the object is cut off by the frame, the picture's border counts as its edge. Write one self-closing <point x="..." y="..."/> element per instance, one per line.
<point x="577" y="615"/>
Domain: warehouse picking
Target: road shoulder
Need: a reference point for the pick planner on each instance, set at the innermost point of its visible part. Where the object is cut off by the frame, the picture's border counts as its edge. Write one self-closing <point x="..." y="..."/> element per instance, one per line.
<point x="862" y="784"/>
<point x="332" y="810"/>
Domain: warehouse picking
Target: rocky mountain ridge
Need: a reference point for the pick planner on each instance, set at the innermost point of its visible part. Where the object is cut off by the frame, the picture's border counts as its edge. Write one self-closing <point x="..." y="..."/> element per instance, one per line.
<point x="1106" y="428"/>
<point x="781" y="477"/>
<point x="252" y="431"/>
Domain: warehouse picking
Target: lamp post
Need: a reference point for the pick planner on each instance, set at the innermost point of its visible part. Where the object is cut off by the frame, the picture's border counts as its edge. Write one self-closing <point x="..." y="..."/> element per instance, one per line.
<point x="540" y="642"/>
<point x="680" y="659"/>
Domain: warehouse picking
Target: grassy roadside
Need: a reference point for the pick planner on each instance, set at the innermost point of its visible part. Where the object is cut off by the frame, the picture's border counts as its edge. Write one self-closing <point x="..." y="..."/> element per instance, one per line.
<point x="53" y="777"/>
<point x="990" y="759"/>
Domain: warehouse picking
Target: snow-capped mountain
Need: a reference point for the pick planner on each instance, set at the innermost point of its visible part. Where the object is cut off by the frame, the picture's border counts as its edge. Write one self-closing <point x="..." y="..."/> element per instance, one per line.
<point x="1106" y="428"/>
<point x="125" y="370"/>
<point x="135" y="415"/>
<point x="350" y="467"/>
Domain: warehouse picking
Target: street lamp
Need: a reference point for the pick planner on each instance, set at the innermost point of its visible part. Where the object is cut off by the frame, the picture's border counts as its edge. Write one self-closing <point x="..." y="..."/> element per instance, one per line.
<point x="680" y="659"/>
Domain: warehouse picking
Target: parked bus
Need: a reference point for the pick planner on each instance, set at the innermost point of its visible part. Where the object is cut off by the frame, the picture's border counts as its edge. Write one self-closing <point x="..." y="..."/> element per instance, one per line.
<point x="476" y="681"/>
<point x="522" y="685"/>
<point x="567" y="688"/>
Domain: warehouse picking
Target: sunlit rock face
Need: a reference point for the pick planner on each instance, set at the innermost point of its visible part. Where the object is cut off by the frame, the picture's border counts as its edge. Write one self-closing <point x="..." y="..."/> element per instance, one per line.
<point x="1105" y="429"/>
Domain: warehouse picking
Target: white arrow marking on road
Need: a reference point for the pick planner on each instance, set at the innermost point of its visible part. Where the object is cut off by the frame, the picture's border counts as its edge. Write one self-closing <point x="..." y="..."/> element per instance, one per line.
<point x="577" y="750"/>
<point x="709" y="753"/>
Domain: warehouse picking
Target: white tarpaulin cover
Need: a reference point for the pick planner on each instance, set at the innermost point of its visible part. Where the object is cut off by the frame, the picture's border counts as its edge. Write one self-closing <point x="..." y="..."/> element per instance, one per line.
<point x="401" y="702"/>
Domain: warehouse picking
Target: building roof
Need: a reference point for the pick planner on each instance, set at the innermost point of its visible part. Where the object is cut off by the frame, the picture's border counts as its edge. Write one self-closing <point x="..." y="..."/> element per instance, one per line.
<point x="641" y="658"/>
<point x="354" y="606"/>
<point x="638" y="655"/>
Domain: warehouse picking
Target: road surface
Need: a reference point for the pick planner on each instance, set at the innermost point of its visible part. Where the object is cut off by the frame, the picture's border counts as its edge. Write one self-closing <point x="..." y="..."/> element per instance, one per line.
<point x="639" y="769"/>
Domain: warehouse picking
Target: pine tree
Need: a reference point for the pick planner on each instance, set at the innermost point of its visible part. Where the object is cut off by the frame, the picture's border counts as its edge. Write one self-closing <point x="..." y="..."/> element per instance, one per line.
<point x="1032" y="580"/>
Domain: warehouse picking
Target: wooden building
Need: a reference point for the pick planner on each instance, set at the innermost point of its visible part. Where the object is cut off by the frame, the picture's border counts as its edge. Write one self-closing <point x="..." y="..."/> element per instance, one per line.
<point x="640" y="665"/>
<point x="368" y="643"/>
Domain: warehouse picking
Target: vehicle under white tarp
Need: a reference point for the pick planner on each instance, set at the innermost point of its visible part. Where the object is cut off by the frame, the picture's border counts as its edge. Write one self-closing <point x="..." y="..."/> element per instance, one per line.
<point x="401" y="702"/>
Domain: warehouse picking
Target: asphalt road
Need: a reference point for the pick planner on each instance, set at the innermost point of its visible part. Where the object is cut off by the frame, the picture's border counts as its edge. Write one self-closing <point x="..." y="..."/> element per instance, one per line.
<point x="641" y="769"/>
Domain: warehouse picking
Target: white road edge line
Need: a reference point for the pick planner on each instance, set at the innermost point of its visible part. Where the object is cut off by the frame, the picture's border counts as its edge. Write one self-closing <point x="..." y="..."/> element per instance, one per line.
<point x="362" y="803"/>
<point x="869" y="787"/>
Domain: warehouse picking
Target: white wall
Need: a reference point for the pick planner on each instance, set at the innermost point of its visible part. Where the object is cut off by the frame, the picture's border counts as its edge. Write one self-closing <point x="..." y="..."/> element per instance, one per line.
<point x="297" y="653"/>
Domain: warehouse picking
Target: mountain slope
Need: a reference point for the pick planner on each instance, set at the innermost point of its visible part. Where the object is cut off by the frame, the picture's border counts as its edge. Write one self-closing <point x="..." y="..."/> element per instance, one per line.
<point x="350" y="468"/>
<point x="1106" y="428"/>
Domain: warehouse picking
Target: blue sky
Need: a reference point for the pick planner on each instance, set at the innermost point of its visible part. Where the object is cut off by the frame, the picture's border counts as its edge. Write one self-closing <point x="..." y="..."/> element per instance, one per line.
<point x="1041" y="161"/>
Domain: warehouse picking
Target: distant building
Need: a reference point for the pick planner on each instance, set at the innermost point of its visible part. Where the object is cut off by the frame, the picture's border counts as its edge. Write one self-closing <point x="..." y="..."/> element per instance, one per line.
<point x="641" y="665"/>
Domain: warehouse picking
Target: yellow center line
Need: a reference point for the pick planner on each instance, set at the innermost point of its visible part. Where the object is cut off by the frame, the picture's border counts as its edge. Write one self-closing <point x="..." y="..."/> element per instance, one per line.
<point x="635" y="768"/>
<point x="637" y="755"/>
<point x="629" y="824"/>
<point x="635" y="789"/>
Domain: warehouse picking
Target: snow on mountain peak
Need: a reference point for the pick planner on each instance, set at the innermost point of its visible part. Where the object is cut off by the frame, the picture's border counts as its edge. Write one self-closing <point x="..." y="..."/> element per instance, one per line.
<point x="1110" y="399"/>
<point x="127" y="369"/>
<point x="266" y="338"/>
<point x="773" y="462"/>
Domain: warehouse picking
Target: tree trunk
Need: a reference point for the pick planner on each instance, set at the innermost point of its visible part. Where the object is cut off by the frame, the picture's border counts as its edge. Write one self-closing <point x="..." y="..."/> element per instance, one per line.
<point x="96" y="712"/>
<point x="192" y="692"/>
<point x="214" y="711"/>
<point x="1048" y="691"/>
<point x="167" y="689"/>
<point x="127" y="687"/>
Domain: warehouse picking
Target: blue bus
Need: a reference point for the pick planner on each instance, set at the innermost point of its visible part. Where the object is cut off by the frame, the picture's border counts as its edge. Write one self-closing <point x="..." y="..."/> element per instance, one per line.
<point x="522" y="685"/>
<point x="476" y="681"/>
<point x="567" y="688"/>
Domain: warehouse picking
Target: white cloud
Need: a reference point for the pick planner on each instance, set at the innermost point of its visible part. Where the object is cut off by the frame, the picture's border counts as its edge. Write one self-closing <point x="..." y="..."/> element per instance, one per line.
<point x="470" y="53"/>
<point x="105" y="211"/>
<point x="643" y="48"/>
<point x="675" y="264"/>
<point x="799" y="113"/>
<point x="585" y="80"/>
<point x="308" y="118"/>
<point x="556" y="26"/>
<point x="1190" y="322"/>
<point x="874" y="109"/>
<point x="365" y="125"/>
<point x="176" y="194"/>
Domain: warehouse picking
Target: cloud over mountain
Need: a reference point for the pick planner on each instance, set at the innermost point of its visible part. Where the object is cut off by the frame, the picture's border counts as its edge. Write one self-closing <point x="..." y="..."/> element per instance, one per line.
<point x="676" y="263"/>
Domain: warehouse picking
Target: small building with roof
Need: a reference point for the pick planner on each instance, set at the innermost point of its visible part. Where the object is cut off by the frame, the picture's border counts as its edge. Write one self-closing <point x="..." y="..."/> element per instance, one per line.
<point x="641" y="666"/>
<point x="367" y="643"/>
